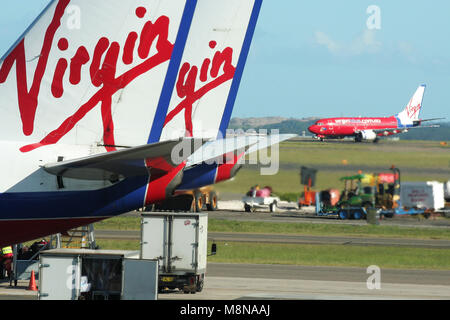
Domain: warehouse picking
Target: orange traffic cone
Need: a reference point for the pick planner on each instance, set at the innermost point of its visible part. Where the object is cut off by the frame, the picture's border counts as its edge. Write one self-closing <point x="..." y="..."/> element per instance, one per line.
<point x="32" y="285"/>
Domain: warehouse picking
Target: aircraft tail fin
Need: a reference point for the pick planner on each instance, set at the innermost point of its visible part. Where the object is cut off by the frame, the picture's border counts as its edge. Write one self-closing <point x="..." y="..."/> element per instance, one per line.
<point x="411" y="113"/>
<point x="77" y="76"/>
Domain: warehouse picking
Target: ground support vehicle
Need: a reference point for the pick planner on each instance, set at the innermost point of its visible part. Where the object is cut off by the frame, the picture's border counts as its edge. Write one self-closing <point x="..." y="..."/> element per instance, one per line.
<point x="86" y="274"/>
<point x="307" y="178"/>
<point x="196" y="200"/>
<point x="179" y="242"/>
<point x="384" y="193"/>
<point x="253" y="203"/>
<point x="325" y="209"/>
<point x="361" y="192"/>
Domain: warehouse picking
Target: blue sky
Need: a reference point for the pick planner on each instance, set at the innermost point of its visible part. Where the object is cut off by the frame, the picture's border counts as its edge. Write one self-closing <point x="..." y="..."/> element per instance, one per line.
<point x="319" y="58"/>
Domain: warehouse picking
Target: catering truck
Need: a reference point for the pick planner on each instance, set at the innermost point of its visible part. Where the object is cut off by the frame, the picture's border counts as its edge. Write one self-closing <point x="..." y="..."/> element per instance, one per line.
<point x="423" y="195"/>
<point x="179" y="242"/>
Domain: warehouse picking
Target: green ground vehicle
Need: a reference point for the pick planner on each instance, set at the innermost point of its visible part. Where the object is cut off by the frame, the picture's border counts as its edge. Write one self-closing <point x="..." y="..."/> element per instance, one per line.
<point x="361" y="192"/>
<point x="355" y="194"/>
<point x="369" y="190"/>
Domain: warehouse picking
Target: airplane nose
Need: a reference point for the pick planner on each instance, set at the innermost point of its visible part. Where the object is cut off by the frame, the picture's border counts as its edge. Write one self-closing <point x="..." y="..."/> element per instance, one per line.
<point x="313" y="128"/>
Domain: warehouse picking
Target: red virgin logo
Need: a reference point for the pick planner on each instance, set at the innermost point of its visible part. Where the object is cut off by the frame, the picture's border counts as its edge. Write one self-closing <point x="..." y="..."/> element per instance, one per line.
<point x="413" y="110"/>
<point x="187" y="82"/>
<point x="103" y="75"/>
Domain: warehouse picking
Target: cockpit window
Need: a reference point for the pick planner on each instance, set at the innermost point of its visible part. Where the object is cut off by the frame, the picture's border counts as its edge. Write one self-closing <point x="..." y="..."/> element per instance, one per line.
<point x="320" y="124"/>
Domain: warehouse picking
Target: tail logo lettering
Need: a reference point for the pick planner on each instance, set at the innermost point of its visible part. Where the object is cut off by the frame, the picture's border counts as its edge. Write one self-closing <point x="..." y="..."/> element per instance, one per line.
<point x="187" y="81"/>
<point x="412" y="111"/>
<point x="102" y="75"/>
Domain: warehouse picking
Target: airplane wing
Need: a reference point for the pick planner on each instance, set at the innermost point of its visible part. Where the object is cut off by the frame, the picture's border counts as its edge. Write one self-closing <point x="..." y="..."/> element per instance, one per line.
<point x="267" y="141"/>
<point x="433" y="119"/>
<point x="129" y="162"/>
<point x="212" y="150"/>
<point x="401" y="129"/>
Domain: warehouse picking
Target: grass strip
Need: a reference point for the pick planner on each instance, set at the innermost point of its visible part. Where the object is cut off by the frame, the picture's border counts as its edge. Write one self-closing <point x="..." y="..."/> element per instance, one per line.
<point x="333" y="255"/>
<point x="112" y="244"/>
<point x="119" y="223"/>
<point x="323" y="229"/>
<point x="316" y="255"/>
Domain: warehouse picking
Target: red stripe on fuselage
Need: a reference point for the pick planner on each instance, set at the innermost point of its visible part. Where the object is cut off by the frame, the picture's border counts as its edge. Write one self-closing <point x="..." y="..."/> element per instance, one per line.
<point x="159" y="182"/>
<point x="224" y="170"/>
<point x="348" y="126"/>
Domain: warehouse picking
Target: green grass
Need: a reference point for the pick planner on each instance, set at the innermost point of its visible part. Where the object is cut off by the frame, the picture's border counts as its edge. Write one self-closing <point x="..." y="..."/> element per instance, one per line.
<point x="216" y="225"/>
<point x="284" y="181"/>
<point x="402" y="154"/>
<point x="119" y="223"/>
<point x="105" y="244"/>
<point x="332" y="255"/>
<point x="289" y="196"/>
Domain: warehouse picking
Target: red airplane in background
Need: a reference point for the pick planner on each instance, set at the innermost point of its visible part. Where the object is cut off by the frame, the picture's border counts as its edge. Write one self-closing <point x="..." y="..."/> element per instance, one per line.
<point x="372" y="129"/>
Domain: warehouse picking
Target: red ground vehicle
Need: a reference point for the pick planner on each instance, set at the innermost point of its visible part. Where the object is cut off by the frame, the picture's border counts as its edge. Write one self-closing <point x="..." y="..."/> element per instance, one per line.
<point x="307" y="178"/>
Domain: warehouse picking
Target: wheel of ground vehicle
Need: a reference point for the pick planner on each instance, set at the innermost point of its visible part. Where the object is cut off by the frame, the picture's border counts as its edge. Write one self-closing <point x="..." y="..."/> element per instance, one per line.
<point x="273" y="206"/>
<point x="199" y="286"/>
<point x="212" y="205"/>
<point x="343" y="214"/>
<point x="198" y="201"/>
<point x="358" y="214"/>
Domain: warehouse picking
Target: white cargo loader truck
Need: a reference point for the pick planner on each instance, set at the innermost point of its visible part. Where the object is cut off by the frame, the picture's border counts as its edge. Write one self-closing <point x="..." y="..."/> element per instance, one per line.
<point x="85" y="274"/>
<point x="179" y="242"/>
<point x="423" y="195"/>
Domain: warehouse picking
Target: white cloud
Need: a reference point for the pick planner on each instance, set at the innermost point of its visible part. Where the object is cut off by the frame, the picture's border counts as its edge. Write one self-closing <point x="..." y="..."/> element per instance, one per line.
<point x="323" y="39"/>
<point x="364" y="43"/>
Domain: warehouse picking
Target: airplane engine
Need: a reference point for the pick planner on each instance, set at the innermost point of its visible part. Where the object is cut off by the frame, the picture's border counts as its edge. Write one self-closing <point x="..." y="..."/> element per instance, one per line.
<point x="207" y="174"/>
<point x="368" y="135"/>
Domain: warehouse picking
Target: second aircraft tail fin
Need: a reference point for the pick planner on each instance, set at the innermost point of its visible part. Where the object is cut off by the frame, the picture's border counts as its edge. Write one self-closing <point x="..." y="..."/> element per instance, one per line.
<point x="411" y="113"/>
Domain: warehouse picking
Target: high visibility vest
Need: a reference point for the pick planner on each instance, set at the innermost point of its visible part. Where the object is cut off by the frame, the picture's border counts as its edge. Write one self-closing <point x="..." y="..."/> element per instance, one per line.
<point x="7" y="250"/>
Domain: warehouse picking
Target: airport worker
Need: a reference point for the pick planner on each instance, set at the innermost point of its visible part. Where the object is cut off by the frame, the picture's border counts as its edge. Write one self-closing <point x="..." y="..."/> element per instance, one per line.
<point x="7" y="252"/>
<point x="255" y="190"/>
<point x="6" y="258"/>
